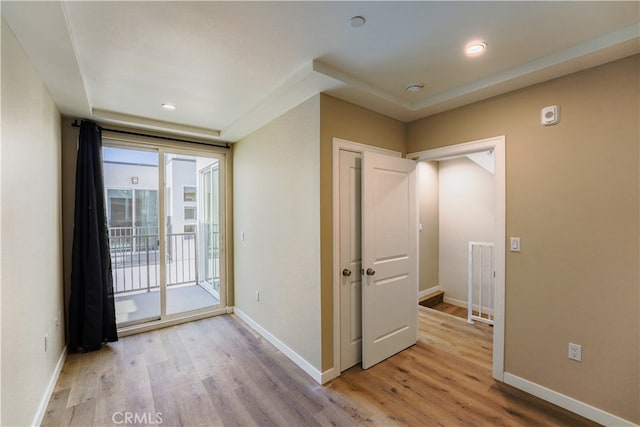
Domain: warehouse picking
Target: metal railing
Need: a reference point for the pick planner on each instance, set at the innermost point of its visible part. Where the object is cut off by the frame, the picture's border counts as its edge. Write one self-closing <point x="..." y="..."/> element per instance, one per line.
<point x="481" y="282"/>
<point x="135" y="243"/>
<point x="135" y="258"/>
<point x="182" y="258"/>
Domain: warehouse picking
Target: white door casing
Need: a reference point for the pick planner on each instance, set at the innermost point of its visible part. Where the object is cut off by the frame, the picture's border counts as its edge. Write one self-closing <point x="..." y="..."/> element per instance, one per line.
<point x="350" y="259"/>
<point x="340" y="145"/>
<point x="389" y="257"/>
<point x="497" y="144"/>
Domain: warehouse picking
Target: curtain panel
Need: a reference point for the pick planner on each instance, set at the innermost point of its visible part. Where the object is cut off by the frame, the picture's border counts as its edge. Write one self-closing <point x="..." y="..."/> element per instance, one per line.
<point x="92" y="320"/>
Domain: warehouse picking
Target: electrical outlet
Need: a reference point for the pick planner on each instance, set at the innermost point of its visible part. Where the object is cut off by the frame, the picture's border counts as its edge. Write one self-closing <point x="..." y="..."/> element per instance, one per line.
<point x="257" y="295"/>
<point x="575" y="352"/>
<point x="46" y="339"/>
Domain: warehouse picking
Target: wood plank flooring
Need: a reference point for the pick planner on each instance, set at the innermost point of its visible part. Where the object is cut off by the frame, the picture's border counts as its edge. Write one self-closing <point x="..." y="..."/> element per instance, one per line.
<point x="454" y="310"/>
<point x="218" y="371"/>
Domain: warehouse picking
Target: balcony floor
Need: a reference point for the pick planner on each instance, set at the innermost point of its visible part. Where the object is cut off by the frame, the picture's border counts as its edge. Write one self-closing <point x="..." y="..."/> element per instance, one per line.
<point x="136" y="307"/>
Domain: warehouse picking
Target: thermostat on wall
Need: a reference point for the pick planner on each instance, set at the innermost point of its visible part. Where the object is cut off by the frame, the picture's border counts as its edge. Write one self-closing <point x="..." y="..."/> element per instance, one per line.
<point x="550" y="115"/>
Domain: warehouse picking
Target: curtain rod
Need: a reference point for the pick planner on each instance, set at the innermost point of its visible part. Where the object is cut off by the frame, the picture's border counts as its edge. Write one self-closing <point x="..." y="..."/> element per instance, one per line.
<point x="166" y="138"/>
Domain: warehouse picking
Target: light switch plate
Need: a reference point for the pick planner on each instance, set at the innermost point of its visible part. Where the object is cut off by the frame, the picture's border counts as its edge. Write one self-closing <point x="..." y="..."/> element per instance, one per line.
<point x="515" y="244"/>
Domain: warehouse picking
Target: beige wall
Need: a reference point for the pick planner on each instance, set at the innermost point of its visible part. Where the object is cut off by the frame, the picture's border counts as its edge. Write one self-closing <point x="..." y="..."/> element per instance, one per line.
<point x="573" y="198"/>
<point x="31" y="237"/>
<point x="467" y="213"/>
<point x="343" y="120"/>
<point x="429" y="237"/>
<point x="277" y="207"/>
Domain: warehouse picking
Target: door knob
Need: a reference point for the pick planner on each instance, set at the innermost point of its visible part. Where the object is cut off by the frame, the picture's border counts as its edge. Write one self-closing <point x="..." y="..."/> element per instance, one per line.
<point x="370" y="272"/>
<point x="346" y="272"/>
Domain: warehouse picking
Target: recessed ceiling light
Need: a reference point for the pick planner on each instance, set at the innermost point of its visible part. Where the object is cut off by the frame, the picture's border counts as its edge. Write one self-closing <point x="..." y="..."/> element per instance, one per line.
<point x="357" y="21"/>
<point x="475" y="48"/>
<point x="414" y="87"/>
<point x="168" y="107"/>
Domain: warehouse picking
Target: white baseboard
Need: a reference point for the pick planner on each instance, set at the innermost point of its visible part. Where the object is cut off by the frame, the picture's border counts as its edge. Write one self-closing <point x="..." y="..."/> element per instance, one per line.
<point x="44" y="402"/>
<point x="428" y="291"/>
<point x="464" y="305"/>
<point x="566" y="402"/>
<point x="320" y="377"/>
<point x="454" y="301"/>
<point x="328" y="375"/>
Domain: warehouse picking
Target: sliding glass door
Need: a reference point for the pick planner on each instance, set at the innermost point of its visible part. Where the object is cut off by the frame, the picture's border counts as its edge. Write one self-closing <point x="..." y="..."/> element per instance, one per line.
<point x="192" y="212"/>
<point x="131" y="189"/>
<point x="165" y="217"/>
<point x="210" y="226"/>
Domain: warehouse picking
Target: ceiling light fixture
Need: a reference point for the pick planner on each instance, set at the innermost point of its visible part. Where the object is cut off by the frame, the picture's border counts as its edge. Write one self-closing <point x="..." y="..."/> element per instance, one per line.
<point x="475" y="48"/>
<point x="414" y="87"/>
<point x="168" y="107"/>
<point x="357" y="21"/>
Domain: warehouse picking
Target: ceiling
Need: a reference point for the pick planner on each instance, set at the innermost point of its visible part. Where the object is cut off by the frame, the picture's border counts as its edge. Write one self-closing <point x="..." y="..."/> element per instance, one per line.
<point x="231" y="67"/>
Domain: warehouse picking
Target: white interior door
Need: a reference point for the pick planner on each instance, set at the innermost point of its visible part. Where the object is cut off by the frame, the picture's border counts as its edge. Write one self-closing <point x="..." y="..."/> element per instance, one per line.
<point x="350" y="259"/>
<point x="389" y="254"/>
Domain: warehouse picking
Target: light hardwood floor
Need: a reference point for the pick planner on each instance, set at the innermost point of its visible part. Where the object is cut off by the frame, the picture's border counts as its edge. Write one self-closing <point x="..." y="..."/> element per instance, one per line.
<point x="218" y="371"/>
<point x="454" y="310"/>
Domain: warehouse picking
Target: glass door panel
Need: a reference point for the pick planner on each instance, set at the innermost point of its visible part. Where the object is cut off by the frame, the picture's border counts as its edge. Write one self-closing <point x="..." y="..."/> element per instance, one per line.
<point x="131" y="190"/>
<point x="211" y="228"/>
<point x="191" y="203"/>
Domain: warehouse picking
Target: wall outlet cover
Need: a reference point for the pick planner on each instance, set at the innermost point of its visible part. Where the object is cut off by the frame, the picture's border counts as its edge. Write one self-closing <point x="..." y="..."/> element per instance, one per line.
<point x="575" y="352"/>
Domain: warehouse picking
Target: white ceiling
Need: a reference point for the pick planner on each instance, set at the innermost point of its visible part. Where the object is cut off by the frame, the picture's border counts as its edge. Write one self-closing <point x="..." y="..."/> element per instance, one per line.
<point x="231" y="67"/>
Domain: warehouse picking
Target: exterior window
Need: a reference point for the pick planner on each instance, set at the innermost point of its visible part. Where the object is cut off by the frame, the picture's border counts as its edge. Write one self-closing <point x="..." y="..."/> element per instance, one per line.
<point x="189" y="213"/>
<point x="191" y="229"/>
<point x="146" y="210"/>
<point x="133" y="208"/>
<point x="189" y="194"/>
<point x="120" y="207"/>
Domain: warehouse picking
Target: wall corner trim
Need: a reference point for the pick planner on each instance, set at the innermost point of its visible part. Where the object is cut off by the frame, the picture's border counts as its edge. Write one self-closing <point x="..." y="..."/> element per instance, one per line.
<point x="44" y="402"/>
<point x="566" y="402"/>
<point x="319" y="377"/>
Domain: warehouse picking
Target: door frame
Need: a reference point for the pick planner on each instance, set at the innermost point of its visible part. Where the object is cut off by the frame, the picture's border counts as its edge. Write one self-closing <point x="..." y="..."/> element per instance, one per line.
<point x="188" y="151"/>
<point x="497" y="144"/>
<point x="162" y="147"/>
<point x="356" y="147"/>
<point x="221" y="215"/>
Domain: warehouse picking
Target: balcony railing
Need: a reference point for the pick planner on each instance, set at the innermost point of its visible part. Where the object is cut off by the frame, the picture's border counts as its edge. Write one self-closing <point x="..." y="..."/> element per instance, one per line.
<point x="135" y="258"/>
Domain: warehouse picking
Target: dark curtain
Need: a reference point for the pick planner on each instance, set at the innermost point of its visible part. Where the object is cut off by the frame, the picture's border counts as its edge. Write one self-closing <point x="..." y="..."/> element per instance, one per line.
<point x="92" y="319"/>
